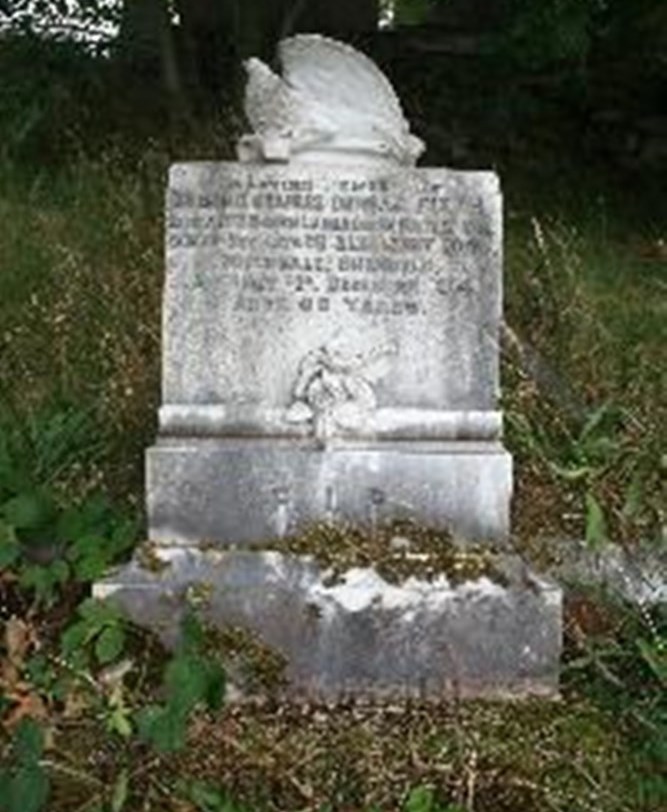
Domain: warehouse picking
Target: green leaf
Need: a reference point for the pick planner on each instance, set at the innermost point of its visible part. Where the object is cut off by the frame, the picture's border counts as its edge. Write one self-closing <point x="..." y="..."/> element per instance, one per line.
<point x="123" y="537"/>
<point x="84" y="545"/>
<point x="89" y="569"/>
<point x="28" y="744"/>
<point x="205" y="797"/>
<point x="186" y="683"/>
<point x="596" y="530"/>
<point x="99" y="613"/>
<point x="145" y="719"/>
<point x="109" y="644"/>
<point x="634" y="496"/>
<point x="28" y="790"/>
<point x="163" y="728"/>
<point x="120" y="792"/>
<point x="655" y="658"/>
<point x="420" y="799"/>
<point x="70" y="525"/>
<point x="120" y="723"/>
<point x="91" y="518"/>
<point x="209" y="799"/>
<point x="29" y="510"/>
<point x="60" y="571"/>
<point x="90" y="564"/>
<point x="216" y="684"/>
<point x="10" y="549"/>
<point x="73" y="639"/>
<point x="571" y="474"/>
<point x="44" y="579"/>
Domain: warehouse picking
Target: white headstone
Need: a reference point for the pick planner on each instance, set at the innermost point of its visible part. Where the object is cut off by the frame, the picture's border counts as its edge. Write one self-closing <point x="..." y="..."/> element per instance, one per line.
<point x="331" y="318"/>
<point x="331" y="321"/>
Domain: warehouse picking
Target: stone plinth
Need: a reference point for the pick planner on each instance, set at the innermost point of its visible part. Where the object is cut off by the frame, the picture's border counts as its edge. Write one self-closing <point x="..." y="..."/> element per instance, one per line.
<point x="248" y="491"/>
<point x="361" y="636"/>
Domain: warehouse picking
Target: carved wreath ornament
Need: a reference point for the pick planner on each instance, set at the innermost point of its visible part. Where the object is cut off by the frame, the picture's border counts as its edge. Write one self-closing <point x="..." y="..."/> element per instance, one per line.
<point x="333" y="393"/>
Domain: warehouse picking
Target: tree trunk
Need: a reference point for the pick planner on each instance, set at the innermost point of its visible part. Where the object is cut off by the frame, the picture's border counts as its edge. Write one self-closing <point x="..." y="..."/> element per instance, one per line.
<point x="146" y="52"/>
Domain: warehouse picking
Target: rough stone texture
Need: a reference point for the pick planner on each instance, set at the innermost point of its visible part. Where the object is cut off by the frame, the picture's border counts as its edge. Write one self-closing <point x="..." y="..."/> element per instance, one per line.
<point x="361" y="636"/>
<point x="244" y="491"/>
<point x="334" y="330"/>
<point x="639" y="576"/>
<point x="396" y="272"/>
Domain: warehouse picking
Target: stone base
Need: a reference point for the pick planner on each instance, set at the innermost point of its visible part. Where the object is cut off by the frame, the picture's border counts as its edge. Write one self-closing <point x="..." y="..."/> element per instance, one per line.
<point x="243" y="491"/>
<point x="361" y="637"/>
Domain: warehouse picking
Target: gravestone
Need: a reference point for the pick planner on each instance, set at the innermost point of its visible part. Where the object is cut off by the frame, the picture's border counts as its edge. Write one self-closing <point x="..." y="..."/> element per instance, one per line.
<point x="330" y="355"/>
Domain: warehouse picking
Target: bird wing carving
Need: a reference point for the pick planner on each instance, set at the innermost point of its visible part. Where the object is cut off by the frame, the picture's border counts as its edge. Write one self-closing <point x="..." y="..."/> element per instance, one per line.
<point x="342" y="84"/>
<point x="269" y="101"/>
<point x="328" y="94"/>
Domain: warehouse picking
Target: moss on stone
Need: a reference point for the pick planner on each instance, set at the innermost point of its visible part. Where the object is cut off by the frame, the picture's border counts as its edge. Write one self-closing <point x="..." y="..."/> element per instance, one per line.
<point x="252" y="663"/>
<point x="398" y="550"/>
<point x="148" y="556"/>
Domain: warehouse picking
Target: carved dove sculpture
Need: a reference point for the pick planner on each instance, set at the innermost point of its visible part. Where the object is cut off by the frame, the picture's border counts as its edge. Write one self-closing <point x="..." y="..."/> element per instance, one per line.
<point x="330" y="99"/>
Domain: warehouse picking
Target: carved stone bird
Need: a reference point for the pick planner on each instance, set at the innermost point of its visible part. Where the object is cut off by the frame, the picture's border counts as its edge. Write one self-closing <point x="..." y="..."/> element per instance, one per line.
<point x="330" y="96"/>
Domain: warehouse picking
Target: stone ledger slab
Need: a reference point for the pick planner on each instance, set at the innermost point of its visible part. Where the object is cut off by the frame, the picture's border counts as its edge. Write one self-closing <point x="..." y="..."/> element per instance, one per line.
<point x="362" y="636"/>
<point x="330" y="351"/>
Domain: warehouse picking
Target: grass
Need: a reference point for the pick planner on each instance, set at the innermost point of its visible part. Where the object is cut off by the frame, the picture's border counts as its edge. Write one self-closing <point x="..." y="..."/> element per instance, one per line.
<point x="525" y="756"/>
<point x="585" y="372"/>
<point x="82" y="272"/>
<point x="593" y="751"/>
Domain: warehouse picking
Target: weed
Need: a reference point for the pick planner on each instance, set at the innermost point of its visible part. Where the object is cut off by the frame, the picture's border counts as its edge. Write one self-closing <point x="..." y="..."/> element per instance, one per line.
<point x="24" y="784"/>
<point x="81" y="258"/>
<point x="99" y="624"/>
<point x="581" y="368"/>
<point x="46" y="543"/>
<point x="48" y="546"/>
<point x="208" y="798"/>
<point x="80" y="300"/>
<point x="190" y="679"/>
<point x="622" y="663"/>
<point x="423" y="799"/>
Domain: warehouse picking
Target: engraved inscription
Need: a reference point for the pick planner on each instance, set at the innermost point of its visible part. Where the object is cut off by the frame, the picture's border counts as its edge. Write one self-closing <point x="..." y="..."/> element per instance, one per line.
<point x="308" y="245"/>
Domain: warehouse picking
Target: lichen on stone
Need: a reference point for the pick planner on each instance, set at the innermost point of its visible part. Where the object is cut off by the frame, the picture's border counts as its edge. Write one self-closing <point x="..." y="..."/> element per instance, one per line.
<point x="397" y="550"/>
<point x="252" y="664"/>
<point x="148" y="556"/>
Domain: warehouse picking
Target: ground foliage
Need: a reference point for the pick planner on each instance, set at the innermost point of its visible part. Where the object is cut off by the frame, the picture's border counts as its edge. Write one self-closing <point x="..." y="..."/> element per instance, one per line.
<point x="599" y="748"/>
<point x="93" y="711"/>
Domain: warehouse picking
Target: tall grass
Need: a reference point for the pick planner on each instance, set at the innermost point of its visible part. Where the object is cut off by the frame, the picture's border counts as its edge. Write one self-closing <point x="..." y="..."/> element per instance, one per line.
<point x="80" y="278"/>
<point x="585" y="377"/>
